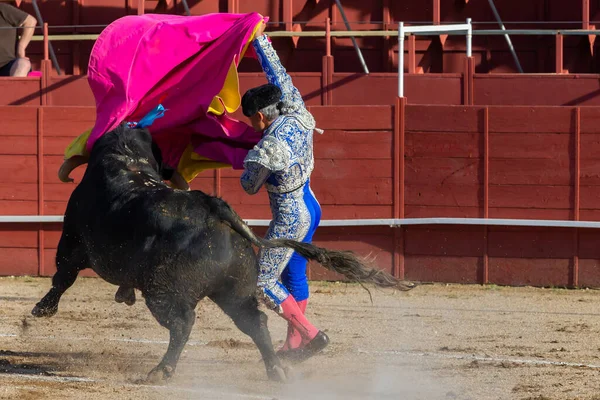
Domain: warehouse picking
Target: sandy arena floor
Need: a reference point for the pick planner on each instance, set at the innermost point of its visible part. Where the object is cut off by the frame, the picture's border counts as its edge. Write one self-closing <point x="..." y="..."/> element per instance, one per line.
<point x="436" y="342"/>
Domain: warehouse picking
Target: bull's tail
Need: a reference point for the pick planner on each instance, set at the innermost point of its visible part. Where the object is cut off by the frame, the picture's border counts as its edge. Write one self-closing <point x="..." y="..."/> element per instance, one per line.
<point x="342" y="262"/>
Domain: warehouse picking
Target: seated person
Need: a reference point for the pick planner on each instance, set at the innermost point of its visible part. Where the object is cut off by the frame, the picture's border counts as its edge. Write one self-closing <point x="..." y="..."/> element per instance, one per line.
<point x="13" y="61"/>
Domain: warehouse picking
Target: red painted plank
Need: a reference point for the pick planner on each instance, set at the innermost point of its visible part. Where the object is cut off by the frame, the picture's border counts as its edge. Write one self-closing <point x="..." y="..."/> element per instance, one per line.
<point x="353" y="144"/>
<point x="416" y="211"/>
<point x="444" y="145"/>
<point x="19" y="236"/>
<point x="588" y="244"/>
<point x="589" y="273"/>
<point x="18" y="191"/>
<point x="363" y="169"/>
<point x="56" y="145"/>
<point x="528" y="243"/>
<point x="18" y="145"/>
<point x="358" y="118"/>
<point x="530" y="213"/>
<point x="530" y="172"/>
<point x="18" y="261"/>
<point x="518" y="145"/>
<point x="589" y="197"/>
<point x="18" y="121"/>
<point x="20" y="91"/>
<point x="54" y="207"/>
<point x="18" y="169"/>
<point x="523" y="196"/>
<point x="524" y="272"/>
<point x="448" y="195"/>
<point x="382" y="89"/>
<point x="548" y="90"/>
<point x="355" y="212"/>
<point x="516" y="119"/>
<point x="463" y="171"/>
<point x="13" y="207"/>
<point x="70" y="91"/>
<point x="590" y="121"/>
<point x="425" y="118"/>
<point x="590" y="146"/>
<point x="590" y="172"/>
<point x="442" y="269"/>
<point x="51" y="238"/>
<point x="68" y="121"/>
<point x="456" y="241"/>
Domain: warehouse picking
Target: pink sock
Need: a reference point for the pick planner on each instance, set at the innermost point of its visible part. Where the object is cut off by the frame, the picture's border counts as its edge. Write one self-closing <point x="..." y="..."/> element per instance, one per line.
<point x="292" y="313"/>
<point x="294" y="340"/>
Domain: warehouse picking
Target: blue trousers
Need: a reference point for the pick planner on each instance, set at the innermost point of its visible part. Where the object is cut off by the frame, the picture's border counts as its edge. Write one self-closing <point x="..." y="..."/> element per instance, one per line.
<point x="296" y="216"/>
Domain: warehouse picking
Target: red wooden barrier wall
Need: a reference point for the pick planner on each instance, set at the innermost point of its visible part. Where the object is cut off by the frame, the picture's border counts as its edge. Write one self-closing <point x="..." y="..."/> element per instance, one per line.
<point x="340" y="89"/>
<point x="378" y="162"/>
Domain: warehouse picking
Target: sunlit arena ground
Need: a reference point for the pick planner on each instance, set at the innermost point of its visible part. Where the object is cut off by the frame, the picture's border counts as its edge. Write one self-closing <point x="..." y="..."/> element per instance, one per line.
<point x="435" y="342"/>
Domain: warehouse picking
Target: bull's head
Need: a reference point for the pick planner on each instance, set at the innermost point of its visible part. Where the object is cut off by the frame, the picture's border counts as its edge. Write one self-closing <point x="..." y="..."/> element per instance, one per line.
<point x="69" y="165"/>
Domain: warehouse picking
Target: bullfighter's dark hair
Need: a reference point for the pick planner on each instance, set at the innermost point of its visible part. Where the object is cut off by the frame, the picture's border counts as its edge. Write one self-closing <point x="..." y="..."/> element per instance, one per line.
<point x="260" y="97"/>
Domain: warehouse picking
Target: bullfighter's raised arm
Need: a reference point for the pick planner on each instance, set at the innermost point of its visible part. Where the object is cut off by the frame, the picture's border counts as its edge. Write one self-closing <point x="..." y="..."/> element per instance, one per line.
<point x="276" y="73"/>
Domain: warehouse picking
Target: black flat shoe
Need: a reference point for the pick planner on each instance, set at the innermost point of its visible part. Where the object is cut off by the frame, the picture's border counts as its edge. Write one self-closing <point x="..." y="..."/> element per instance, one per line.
<point x="302" y="354"/>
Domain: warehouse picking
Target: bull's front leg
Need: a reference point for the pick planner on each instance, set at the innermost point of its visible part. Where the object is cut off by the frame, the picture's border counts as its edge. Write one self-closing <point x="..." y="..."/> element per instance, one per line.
<point x="70" y="259"/>
<point x="61" y="281"/>
<point x="179" y="319"/>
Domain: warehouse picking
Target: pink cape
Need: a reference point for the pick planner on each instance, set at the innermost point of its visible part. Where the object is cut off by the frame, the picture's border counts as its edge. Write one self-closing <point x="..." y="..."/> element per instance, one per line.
<point x="139" y="62"/>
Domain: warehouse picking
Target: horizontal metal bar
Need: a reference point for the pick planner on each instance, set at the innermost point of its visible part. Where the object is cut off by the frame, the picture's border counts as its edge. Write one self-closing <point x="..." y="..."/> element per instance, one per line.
<point x="392" y="222"/>
<point x="425" y="31"/>
<point x="30" y="218"/>
<point x="435" y="29"/>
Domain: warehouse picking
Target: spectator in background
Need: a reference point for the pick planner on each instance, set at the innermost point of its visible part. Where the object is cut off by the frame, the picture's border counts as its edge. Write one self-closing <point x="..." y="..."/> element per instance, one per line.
<point x="13" y="61"/>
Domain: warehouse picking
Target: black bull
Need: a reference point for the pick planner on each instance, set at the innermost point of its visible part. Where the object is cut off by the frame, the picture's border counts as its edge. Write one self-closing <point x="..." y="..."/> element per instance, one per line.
<point x="175" y="246"/>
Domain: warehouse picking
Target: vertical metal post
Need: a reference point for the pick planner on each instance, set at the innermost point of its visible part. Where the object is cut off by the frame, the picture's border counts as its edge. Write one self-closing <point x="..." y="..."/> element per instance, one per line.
<point x="401" y="59"/>
<point x="510" y="46"/>
<point x="328" y="37"/>
<point x="186" y="7"/>
<point x="360" y="56"/>
<point x="469" y="38"/>
<point x="38" y="15"/>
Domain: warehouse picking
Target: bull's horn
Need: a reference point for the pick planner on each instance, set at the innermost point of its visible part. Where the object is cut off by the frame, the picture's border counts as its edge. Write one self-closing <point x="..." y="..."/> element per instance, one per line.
<point x="68" y="166"/>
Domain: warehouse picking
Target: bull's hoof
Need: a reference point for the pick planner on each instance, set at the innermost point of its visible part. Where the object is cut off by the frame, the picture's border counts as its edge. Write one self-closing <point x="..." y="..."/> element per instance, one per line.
<point x="160" y="374"/>
<point x="281" y="374"/>
<point x="125" y="295"/>
<point x="40" y="311"/>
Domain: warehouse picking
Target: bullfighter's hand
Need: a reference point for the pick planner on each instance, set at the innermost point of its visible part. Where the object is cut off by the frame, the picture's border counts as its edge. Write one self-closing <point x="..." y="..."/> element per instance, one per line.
<point x="261" y="29"/>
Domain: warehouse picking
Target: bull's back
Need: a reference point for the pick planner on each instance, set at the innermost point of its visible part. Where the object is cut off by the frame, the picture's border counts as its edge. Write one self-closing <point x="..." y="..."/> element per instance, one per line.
<point x="169" y="240"/>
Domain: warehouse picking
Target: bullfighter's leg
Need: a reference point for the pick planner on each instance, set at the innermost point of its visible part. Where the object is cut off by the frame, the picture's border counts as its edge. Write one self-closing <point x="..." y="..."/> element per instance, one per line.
<point x="178" y="317"/>
<point x="294" y="219"/>
<point x="294" y="275"/>
<point x="70" y="259"/>
<point x="249" y="319"/>
<point x="125" y="295"/>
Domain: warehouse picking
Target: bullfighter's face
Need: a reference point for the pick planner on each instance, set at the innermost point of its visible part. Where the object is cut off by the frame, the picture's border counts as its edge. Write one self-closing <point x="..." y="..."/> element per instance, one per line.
<point x="259" y="122"/>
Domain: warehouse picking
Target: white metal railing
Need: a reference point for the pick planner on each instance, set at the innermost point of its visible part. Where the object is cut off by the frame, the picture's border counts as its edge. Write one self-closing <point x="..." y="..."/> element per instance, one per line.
<point x="428" y="30"/>
<point x="391" y="222"/>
